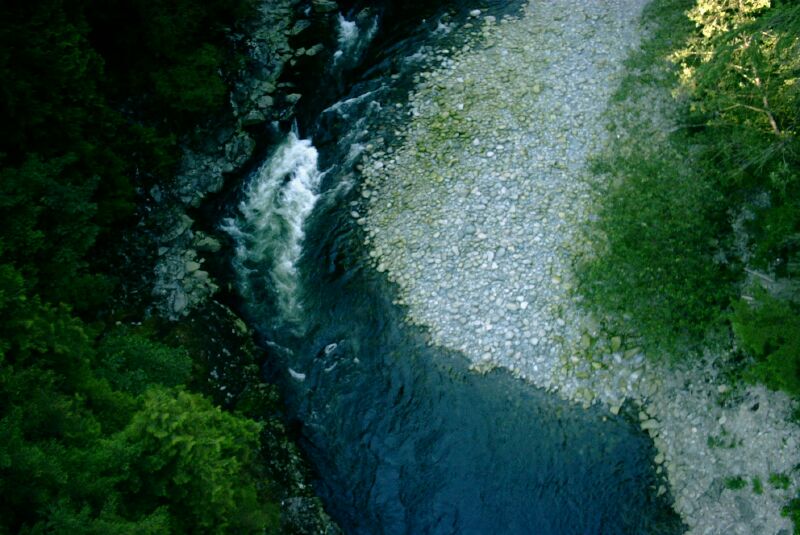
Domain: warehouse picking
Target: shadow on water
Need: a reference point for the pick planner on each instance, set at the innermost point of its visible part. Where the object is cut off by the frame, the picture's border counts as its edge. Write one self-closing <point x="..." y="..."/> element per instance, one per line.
<point x="407" y="440"/>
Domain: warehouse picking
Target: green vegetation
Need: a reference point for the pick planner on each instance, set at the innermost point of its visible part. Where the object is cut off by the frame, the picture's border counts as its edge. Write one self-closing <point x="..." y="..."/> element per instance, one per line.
<point x="792" y="510"/>
<point x="699" y="229"/>
<point x="758" y="487"/>
<point x="724" y="440"/>
<point x="658" y="223"/>
<point x="99" y="430"/>
<point x="698" y="238"/>
<point x="735" y="483"/>
<point x="780" y="481"/>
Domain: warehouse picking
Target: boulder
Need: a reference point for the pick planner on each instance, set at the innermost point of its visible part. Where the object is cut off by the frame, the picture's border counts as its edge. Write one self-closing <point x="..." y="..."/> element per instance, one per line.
<point x="207" y="244"/>
<point x="300" y="26"/>
<point x="314" y="50"/>
<point x="264" y="102"/>
<point x="179" y="302"/>
<point x="253" y="117"/>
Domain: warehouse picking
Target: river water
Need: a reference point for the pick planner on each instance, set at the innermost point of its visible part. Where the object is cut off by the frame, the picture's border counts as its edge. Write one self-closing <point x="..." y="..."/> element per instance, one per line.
<point x="404" y="439"/>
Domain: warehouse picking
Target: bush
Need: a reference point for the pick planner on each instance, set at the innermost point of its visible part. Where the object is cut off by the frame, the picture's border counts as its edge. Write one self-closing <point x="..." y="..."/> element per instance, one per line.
<point x="769" y="330"/>
<point x="132" y="362"/>
<point x="195" y="459"/>
<point x="687" y="216"/>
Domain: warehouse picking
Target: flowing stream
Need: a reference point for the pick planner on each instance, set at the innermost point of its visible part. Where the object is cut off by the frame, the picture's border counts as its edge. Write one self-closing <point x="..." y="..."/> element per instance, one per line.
<point x="403" y="437"/>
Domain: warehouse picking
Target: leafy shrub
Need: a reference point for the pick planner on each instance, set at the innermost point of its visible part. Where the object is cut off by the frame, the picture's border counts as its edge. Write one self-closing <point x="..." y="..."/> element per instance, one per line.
<point x="132" y="362"/>
<point x="198" y="460"/>
<point x="735" y="483"/>
<point x="769" y="329"/>
<point x="792" y="510"/>
<point x="687" y="217"/>
<point x="780" y="481"/>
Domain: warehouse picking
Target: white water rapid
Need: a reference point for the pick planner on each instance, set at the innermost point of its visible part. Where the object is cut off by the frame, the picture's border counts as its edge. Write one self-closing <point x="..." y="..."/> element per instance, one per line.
<point x="269" y="227"/>
<point x="352" y="40"/>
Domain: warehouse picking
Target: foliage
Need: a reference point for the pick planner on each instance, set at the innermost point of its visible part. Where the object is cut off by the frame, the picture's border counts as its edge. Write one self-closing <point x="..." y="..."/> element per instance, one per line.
<point x="745" y="89"/>
<point x="769" y="330"/>
<point x="132" y="361"/>
<point x="78" y="454"/>
<point x="780" y="481"/>
<point x="171" y="56"/>
<point x="679" y="240"/>
<point x="97" y="432"/>
<point x="735" y="483"/>
<point x="659" y="265"/>
<point x="792" y="510"/>
<point x="659" y="227"/>
<point x="189" y="454"/>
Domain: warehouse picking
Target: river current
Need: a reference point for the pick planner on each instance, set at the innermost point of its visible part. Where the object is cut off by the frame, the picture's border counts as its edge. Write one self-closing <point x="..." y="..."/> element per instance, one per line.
<point x="403" y="437"/>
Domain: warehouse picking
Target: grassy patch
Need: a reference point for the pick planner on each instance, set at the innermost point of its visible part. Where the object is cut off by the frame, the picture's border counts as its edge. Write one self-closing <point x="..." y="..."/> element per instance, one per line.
<point x="701" y="190"/>
<point x="780" y="481"/>
<point x="659" y="226"/>
<point x="735" y="483"/>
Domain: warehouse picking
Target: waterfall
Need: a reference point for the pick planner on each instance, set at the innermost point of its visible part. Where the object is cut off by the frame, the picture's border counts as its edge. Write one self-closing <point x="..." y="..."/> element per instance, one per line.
<point x="268" y="229"/>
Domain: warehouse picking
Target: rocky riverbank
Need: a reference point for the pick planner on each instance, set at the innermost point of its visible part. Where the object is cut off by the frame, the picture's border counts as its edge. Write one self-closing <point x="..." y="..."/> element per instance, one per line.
<point x="261" y="95"/>
<point x="478" y="214"/>
<point x="184" y="290"/>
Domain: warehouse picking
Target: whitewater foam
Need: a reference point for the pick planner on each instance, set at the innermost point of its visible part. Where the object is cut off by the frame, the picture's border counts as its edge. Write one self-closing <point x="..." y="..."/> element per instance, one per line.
<point x="268" y="230"/>
<point x="351" y="40"/>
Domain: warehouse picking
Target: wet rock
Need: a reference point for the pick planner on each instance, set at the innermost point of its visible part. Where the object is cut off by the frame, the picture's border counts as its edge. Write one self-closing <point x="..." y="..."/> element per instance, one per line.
<point x="650" y="424"/>
<point x="179" y="302"/>
<point x="305" y="515"/>
<point x="237" y="151"/>
<point x="155" y="193"/>
<point x="177" y="229"/>
<point x="265" y="102"/>
<point x="207" y="243"/>
<point x="300" y="26"/>
<point x="254" y="117"/>
<point x="314" y="50"/>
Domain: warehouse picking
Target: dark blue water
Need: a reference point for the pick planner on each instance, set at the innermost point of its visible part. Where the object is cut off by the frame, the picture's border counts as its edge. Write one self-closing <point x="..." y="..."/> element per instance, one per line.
<point x="404" y="439"/>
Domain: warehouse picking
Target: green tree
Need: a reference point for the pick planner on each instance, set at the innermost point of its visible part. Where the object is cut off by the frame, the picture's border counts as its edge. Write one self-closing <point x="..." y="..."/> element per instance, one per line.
<point x="198" y="460"/>
<point x="132" y="361"/>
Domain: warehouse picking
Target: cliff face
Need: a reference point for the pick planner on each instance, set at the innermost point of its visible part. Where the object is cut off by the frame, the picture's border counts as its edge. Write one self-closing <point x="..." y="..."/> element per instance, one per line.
<point x="219" y="150"/>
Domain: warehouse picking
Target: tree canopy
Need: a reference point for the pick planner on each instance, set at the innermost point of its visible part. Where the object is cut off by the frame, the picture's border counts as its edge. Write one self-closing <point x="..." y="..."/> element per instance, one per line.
<point x="99" y="432"/>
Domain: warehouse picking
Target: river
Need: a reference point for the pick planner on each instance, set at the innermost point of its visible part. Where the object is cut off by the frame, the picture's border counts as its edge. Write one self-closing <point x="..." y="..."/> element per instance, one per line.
<point x="403" y="437"/>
